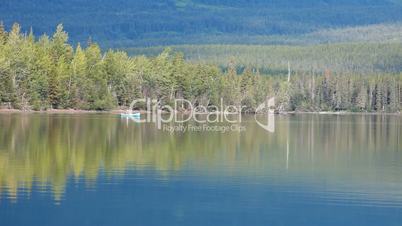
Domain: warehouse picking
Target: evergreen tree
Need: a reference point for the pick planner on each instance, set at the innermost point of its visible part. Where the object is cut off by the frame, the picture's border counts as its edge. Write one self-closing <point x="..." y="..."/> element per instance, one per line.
<point x="77" y="84"/>
<point x="361" y="99"/>
<point x="231" y="83"/>
<point x="247" y="89"/>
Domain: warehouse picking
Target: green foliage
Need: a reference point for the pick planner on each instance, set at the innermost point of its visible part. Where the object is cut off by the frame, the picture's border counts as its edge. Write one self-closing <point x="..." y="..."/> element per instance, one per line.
<point x="363" y="58"/>
<point x="50" y="73"/>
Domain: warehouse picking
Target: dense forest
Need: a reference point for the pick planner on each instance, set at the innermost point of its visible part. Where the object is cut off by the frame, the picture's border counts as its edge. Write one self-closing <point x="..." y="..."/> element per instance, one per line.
<point x="124" y="23"/>
<point x="48" y="73"/>
<point x="357" y="58"/>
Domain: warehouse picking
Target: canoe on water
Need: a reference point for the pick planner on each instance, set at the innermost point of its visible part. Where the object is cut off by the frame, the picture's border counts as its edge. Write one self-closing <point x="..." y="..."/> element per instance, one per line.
<point x="130" y="115"/>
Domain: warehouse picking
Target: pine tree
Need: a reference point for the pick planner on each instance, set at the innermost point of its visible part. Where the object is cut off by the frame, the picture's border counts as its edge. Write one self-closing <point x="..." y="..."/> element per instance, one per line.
<point x="98" y="94"/>
<point x="379" y="96"/>
<point x="77" y="84"/>
<point x="393" y="96"/>
<point x="361" y="99"/>
<point x="59" y="92"/>
<point x="247" y="89"/>
<point x="18" y="66"/>
<point x="263" y="88"/>
<point x="231" y="83"/>
<point x="60" y="51"/>
<point x="54" y="88"/>
<point x="59" y="46"/>
<point x="41" y="70"/>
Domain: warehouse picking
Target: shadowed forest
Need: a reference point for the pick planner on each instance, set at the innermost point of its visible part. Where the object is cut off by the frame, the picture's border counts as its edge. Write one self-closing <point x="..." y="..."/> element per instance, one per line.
<point x="128" y="23"/>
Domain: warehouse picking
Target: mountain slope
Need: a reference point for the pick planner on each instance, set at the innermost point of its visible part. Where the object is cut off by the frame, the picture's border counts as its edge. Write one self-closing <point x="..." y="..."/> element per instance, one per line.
<point x="360" y="58"/>
<point x="159" y="22"/>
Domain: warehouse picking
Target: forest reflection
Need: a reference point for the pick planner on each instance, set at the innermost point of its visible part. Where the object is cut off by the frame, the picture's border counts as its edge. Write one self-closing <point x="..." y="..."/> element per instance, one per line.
<point x="42" y="152"/>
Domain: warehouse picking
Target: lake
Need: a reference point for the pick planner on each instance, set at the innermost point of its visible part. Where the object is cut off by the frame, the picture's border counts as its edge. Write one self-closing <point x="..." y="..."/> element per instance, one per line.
<point x="99" y="169"/>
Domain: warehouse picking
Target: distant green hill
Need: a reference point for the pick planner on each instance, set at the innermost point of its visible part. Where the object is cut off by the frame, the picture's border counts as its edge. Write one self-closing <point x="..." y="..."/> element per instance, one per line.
<point x="273" y="59"/>
<point x="121" y="23"/>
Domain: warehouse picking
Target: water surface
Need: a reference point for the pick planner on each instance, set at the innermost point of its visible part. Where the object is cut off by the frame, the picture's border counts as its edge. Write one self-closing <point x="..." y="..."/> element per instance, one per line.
<point x="99" y="169"/>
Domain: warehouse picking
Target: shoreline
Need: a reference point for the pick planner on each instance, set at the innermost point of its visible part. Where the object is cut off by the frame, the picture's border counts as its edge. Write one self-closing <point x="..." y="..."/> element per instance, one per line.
<point x="64" y="111"/>
<point x="120" y="111"/>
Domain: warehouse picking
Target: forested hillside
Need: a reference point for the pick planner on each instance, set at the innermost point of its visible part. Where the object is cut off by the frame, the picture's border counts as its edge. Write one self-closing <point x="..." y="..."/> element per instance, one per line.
<point x="357" y="58"/>
<point x="49" y="73"/>
<point x="123" y="23"/>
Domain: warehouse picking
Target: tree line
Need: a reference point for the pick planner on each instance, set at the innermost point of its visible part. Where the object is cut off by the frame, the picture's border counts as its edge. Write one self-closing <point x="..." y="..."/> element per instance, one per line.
<point x="49" y="73"/>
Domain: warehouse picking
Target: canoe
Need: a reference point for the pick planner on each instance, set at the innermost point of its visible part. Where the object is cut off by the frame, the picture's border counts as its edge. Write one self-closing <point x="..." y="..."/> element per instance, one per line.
<point x="130" y="115"/>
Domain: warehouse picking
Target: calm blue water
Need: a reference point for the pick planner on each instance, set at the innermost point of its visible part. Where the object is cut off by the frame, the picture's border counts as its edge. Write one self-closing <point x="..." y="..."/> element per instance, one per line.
<point x="99" y="170"/>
